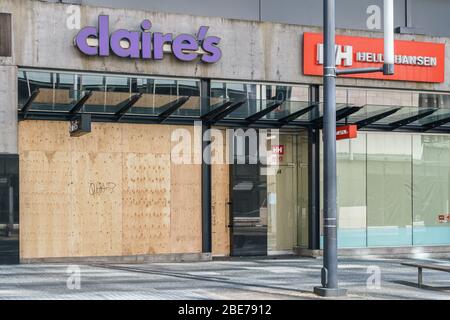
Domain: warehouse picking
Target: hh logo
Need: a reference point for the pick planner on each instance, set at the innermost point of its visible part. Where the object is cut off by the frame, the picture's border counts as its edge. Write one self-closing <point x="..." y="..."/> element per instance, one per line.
<point x="344" y="55"/>
<point x="279" y="150"/>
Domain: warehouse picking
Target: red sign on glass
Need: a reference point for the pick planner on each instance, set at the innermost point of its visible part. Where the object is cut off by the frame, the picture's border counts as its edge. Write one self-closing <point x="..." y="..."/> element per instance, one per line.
<point x="347" y="132"/>
<point x="279" y="150"/>
<point x="414" y="61"/>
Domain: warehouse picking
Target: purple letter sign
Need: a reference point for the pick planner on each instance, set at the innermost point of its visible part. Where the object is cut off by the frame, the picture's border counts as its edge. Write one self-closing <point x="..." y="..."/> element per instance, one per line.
<point x="97" y="41"/>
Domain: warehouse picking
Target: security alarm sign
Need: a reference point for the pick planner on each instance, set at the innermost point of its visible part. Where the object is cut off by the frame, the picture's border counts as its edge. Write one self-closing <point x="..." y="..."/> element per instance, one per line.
<point x="414" y="60"/>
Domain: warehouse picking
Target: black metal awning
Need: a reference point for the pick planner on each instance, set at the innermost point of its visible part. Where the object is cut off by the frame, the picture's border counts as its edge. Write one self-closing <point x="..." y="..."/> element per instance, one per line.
<point x="151" y="108"/>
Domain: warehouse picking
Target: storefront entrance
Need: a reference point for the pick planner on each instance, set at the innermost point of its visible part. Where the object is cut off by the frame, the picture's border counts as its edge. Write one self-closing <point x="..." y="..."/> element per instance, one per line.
<point x="9" y="213"/>
<point x="269" y="201"/>
<point x="249" y="210"/>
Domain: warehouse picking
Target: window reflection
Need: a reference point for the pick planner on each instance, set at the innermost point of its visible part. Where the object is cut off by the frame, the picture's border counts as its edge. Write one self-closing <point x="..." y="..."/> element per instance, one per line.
<point x="118" y="84"/>
<point x="37" y="80"/>
<point x="431" y="200"/>
<point x="166" y="87"/>
<point x="23" y="89"/>
<point x="92" y="82"/>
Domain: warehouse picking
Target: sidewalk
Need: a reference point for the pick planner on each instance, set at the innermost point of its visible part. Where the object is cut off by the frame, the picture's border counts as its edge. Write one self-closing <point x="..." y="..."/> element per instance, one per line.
<point x="287" y="278"/>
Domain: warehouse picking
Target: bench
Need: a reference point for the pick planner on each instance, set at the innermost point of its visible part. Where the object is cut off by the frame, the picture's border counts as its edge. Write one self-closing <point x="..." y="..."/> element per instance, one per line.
<point x="430" y="266"/>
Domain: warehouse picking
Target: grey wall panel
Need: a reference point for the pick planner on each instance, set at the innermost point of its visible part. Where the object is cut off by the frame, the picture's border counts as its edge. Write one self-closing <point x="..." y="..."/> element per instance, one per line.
<point x="8" y="109"/>
<point x="350" y="14"/>
<point x="432" y="16"/>
<point x="237" y="9"/>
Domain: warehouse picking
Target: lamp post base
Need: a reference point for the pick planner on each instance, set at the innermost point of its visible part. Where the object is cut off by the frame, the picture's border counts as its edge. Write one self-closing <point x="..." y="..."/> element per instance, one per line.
<point x="330" y="292"/>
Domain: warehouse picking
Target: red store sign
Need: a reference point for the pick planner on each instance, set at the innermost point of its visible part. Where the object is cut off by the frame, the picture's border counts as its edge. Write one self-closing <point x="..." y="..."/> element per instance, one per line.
<point x="414" y="61"/>
<point x="347" y="132"/>
<point x="279" y="150"/>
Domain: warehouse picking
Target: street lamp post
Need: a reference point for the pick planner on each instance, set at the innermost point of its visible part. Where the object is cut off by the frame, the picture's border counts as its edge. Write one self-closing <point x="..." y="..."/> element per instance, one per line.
<point x="329" y="274"/>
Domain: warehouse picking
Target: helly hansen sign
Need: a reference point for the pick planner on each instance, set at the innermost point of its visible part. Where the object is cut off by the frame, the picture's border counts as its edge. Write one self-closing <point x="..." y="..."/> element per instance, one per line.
<point x="414" y="61"/>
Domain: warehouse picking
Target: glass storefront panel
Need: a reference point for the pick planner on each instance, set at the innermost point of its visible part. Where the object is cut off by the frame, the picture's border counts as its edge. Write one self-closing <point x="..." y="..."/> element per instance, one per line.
<point x="303" y="190"/>
<point x="431" y="176"/>
<point x="9" y="209"/>
<point x="352" y="184"/>
<point x="282" y="198"/>
<point x="389" y="181"/>
<point x="257" y="97"/>
<point x="270" y="200"/>
<point x="400" y="186"/>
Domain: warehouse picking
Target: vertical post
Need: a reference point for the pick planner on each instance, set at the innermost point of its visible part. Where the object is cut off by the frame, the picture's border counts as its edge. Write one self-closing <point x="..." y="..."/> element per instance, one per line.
<point x="388" y="21"/>
<point x="314" y="177"/>
<point x="408" y="14"/>
<point x="330" y="268"/>
<point x="206" y="173"/>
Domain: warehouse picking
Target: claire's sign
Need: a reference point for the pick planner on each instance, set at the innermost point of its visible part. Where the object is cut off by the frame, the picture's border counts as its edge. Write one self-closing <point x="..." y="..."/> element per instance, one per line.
<point x="414" y="61"/>
<point x="144" y="44"/>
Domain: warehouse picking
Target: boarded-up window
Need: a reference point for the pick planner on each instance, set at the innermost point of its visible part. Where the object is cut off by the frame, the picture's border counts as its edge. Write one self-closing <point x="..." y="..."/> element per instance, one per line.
<point x="5" y="34"/>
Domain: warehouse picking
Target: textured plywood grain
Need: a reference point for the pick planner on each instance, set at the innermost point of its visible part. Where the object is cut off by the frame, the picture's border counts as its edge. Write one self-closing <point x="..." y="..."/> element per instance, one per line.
<point x="45" y="204"/>
<point x="220" y="198"/>
<point x="109" y="193"/>
<point x="146" y="203"/>
<point x="220" y="210"/>
<point x="97" y="203"/>
<point x="186" y="223"/>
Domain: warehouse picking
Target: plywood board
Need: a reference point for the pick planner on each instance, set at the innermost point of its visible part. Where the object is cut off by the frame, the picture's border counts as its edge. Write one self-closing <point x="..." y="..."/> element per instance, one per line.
<point x="44" y="136"/>
<point x="220" y="204"/>
<point x="186" y="209"/>
<point x="45" y="204"/>
<point x="220" y="210"/>
<point x="104" y="138"/>
<point x="146" y="203"/>
<point x="111" y="192"/>
<point x="97" y="203"/>
<point x="142" y="138"/>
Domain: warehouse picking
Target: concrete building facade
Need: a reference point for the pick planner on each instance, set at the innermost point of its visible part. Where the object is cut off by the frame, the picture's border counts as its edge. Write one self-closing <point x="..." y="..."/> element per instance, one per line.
<point x="116" y="193"/>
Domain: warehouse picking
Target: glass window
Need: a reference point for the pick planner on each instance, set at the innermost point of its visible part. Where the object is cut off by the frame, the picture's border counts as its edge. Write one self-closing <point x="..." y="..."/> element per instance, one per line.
<point x="67" y="88"/>
<point x="351" y="196"/>
<point x="282" y="198"/>
<point x="9" y="209"/>
<point x="38" y="80"/>
<point x="67" y="81"/>
<point x="118" y="90"/>
<point x="390" y="98"/>
<point x="303" y="192"/>
<point x="96" y="84"/>
<point x="143" y="85"/>
<point x="23" y="89"/>
<point x="431" y="100"/>
<point x="389" y="182"/>
<point x="118" y="84"/>
<point x="166" y="87"/>
<point x="218" y="90"/>
<point x="189" y="88"/>
<point x="42" y="81"/>
<point x="431" y="176"/>
<point x="92" y="82"/>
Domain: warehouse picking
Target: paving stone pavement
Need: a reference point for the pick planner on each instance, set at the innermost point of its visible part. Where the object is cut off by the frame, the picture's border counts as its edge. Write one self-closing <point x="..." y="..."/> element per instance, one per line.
<point x="257" y="278"/>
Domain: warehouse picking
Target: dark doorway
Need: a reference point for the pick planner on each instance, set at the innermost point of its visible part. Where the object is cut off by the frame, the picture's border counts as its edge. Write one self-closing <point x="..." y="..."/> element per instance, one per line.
<point x="9" y="209"/>
<point x="248" y="205"/>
